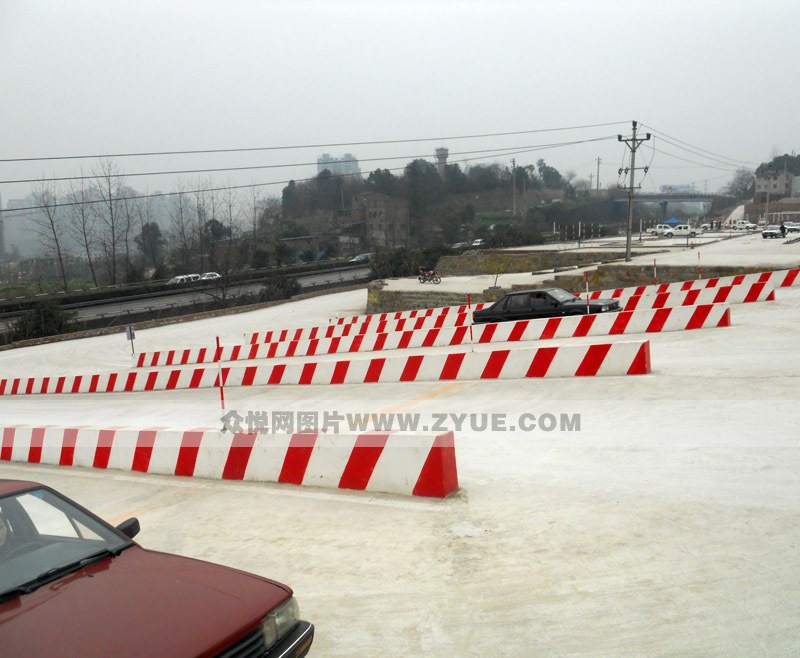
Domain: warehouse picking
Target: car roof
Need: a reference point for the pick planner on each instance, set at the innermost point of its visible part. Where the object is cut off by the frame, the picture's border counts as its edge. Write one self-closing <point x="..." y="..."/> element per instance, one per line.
<point x="15" y="486"/>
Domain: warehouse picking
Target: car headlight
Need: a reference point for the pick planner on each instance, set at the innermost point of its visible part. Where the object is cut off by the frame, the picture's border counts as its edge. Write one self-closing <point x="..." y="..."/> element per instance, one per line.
<point x="280" y="621"/>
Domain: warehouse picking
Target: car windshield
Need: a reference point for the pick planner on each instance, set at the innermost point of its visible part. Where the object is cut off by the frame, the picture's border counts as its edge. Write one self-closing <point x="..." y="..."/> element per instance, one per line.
<point x="44" y="536"/>
<point x="561" y="295"/>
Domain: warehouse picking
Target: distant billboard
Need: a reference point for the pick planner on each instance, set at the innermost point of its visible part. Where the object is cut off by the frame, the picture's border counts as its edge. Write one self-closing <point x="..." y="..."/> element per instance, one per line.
<point x="676" y="189"/>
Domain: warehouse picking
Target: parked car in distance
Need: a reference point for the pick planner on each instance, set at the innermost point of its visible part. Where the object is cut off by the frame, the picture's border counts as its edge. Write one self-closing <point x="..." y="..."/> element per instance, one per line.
<point x="73" y="585"/>
<point x="743" y="225"/>
<point x="478" y="242"/>
<point x="178" y="280"/>
<point x="792" y="227"/>
<point x="664" y="230"/>
<point x="541" y="303"/>
<point x="361" y="258"/>
<point x="210" y="276"/>
<point x="685" y="229"/>
<point x="771" y="231"/>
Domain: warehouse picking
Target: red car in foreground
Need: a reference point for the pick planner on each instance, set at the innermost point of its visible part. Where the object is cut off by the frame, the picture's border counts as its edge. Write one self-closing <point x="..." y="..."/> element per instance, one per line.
<point x="73" y="585"/>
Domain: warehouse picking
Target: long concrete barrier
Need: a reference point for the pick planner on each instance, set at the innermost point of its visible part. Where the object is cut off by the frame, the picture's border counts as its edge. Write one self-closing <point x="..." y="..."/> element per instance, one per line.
<point x="742" y="294"/>
<point x="405" y="463"/>
<point x="778" y="279"/>
<point x="431" y="318"/>
<point x="604" y="324"/>
<point x="606" y="359"/>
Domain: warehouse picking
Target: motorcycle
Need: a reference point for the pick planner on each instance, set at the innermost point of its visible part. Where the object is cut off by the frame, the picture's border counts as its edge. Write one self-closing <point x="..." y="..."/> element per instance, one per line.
<point x="429" y="276"/>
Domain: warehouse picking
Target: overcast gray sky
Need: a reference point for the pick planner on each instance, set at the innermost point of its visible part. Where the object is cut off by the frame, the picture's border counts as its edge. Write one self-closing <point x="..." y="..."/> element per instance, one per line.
<point x="90" y="77"/>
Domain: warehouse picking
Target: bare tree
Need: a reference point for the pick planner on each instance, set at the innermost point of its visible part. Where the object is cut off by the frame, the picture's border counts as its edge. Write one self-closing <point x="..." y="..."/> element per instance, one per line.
<point x="48" y="225"/>
<point x="81" y="223"/>
<point x="110" y="218"/>
<point x="182" y="229"/>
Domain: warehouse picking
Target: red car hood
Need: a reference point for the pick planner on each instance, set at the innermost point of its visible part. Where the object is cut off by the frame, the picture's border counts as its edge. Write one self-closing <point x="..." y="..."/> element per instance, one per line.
<point x="141" y="603"/>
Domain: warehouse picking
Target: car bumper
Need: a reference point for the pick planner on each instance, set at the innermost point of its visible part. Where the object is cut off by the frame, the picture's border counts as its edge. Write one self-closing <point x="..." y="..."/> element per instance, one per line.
<point x="296" y="644"/>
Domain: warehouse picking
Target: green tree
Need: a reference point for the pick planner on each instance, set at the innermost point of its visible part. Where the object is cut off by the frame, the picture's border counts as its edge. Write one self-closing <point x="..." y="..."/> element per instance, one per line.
<point x="45" y="319"/>
<point x="151" y="243"/>
<point x="383" y="182"/>
<point x="742" y="186"/>
<point x="551" y="178"/>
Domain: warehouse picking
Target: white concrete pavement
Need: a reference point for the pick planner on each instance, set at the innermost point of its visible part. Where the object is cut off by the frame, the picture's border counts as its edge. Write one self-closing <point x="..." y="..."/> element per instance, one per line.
<point x="665" y="523"/>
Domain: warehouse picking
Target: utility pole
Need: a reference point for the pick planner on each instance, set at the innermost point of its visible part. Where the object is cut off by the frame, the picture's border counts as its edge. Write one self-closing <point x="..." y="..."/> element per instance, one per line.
<point x="598" y="178"/>
<point x="514" y="184"/>
<point x="591" y="176"/>
<point x="633" y="144"/>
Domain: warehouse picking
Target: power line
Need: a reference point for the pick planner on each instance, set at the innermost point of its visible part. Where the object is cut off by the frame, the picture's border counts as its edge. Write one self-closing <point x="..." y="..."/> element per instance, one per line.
<point x="697" y="148"/>
<point x="520" y="149"/>
<point x="307" y="146"/>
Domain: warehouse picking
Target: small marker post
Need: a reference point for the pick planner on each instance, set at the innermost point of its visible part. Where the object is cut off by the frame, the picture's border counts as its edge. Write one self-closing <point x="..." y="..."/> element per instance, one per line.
<point x="217" y="356"/>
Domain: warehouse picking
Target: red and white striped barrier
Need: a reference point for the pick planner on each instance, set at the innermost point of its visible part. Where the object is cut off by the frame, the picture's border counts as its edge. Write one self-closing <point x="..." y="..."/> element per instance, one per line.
<point x="603" y="324"/>
<point x="624" y="358"/>
<point x="446" y="316"/>
<point x="777" y="279"/>
<point x="746" y="293"/>
<point x="414" y="464"/>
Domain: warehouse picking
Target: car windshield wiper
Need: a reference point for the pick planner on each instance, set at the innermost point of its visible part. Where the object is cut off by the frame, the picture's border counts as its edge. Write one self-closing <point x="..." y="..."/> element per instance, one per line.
<point x="12" y="593"/>
<point x="57" y="572"/>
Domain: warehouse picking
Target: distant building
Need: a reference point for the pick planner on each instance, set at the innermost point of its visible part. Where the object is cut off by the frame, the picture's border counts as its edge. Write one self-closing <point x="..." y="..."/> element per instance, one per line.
<point x="776" y="184"/>
<point x="347" y="165"/>
<point x="386" y="219"/>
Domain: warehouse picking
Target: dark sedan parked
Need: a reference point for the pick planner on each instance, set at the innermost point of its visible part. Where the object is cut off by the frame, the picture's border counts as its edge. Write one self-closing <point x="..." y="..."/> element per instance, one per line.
<point x="72" y="585"/>
<point x="541" y="303"/>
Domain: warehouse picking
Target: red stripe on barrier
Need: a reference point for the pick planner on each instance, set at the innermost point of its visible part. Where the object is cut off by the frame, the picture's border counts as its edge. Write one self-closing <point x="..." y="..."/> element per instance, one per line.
<point x="76" y="383"/>
<point x="584" y="325"/>
<point x="459" y="335"/>
<point x="593" y="360"/>
<point x="764" y="277"/>
<point x="790" y="278"/>
<point x="15" y="386"/>
<point x="691" y="297"/>
<point x="364" y="456"/>
<point x="411" y="369"/>
<point x="272" y="350"/>
<point x="235" y="351"/>
<point x="29" y="386"/>
<point x="140" y="360"/>
<point x="452" y="366"/>
<point x="111" y="382"/>
<point x="3" y="386"/>
<point x="540" y="363"/>
<point x="197" y="377"/>
<point x="252" y="352"/>
<point x="298" y="454"/>
<point x="686" y="285"/>
<point x="439" y="475"/>
<point x="405" y="339"/>
<point x="187" y="453"/>
<point x="297" y="335"/>
<point x="172" y="380"/>
<point x="93" y="383"/>
<point x="754" y="292"/>
<point x="620" y="323"/>
<point x="102" y="453"/>
<point x="725" y="320"/>
<point x="312" y="347"/>
<point x="291" y="348"/>
<point x="130" y="381"/>
<point x="152" y="378"/>
<point x="641" y="363"/>
<point x="374" y="370"/>
<point x="658" y="320"/>
<point x="60" y="384"/>
<point x="333" y="346"/>
<point x="249" y="375"/>
<point x="68" y="442"/>
<point x="35" y="448"/>
<point x="143" y="451"/>
<point x="45" y="384"/>
<point x="313" y="334"/>
<point x="170" y="357"/>
<point x="660" y="300"/>
<point x="430" y="337"/>
<point x="632" y="303"/>
<point x="380" y="341"/>
<point x="239" y="456"/>
<point x="518" y="331"/>
<point x="722" y="294"/>
<point x="307" y="374"/>
<point x="550" y="328"/>
<point x="699" y="316"/>
<point x="8" y="443"/>
<point x="486" y="332"/>
<point x="355" y="344"/>
<point x="276" y="375"/>
<point x="340" y="372"/>
<point x="713" y="282"/>
<point x="494" y="365"/>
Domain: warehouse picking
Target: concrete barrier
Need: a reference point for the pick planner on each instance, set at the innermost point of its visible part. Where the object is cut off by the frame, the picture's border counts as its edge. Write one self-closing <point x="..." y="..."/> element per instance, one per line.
<point x="624" y="358"/>
<point x="413" y="464"/>
<point x="742" y="294"/>
<point x="604" y="324"/>
<point x="777" y="279"/>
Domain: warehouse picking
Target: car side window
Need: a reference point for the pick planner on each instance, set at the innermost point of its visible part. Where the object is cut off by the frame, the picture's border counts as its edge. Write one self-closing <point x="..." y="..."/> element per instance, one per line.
<point x="539" y="300"/>
<point x="519" y="302"/>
